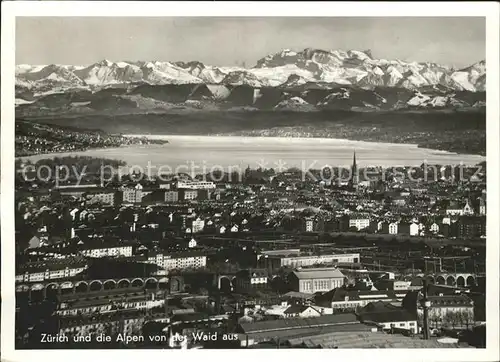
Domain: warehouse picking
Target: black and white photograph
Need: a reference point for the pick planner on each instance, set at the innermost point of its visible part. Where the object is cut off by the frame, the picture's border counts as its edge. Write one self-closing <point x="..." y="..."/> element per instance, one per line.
<point x="250" y="182"/>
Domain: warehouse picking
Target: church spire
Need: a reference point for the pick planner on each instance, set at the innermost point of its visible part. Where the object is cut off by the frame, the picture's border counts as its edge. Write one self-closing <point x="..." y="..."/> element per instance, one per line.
<point x="354" y="172"/>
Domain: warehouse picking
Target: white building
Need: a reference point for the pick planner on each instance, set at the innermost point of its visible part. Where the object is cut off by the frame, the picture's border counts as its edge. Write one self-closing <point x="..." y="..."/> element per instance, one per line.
<point x="131" y="303"/>
<point x="195" y="185"/>
<point x="309" y="225"/>
<point x="302" y="311"/>
<point x="105" y="197"/>
<point x="352" y="299"/>
<point x="249" y="279"/>
<point x="359" y="223"/>
<point x="400" y="324"/>
<point x="190" y="194"/>
<point x="171" y="196"/>
<point x="132" y="195"/>
<point x="414" y="229"/>
<point x="178" y="261"/>
<point x="296" y="261"/>
<point x="107" y="251"/>
<point x="468" y="209"/>
<point x="198" y="225"/>
<point x="41" y="271"/>
<point x="457" y="210"/>
<point x="316" y="280"/>
<point x="83" y="215"/>
<point x="73" y="214"/>
<point x="401" y="285"/>
<point x="393" y="228"/>
<point x="434" y="228"/>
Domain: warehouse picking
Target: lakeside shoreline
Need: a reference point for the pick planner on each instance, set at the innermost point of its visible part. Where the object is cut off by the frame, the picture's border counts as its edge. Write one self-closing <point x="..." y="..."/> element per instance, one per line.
<point x="91" y="149"/>
<point x="298" y="139"/>
<point x="243" y="151"/>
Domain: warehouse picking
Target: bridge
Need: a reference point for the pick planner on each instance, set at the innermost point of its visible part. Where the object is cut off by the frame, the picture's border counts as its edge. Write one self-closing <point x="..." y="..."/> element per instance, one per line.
<point x="40" y="290"/>
<point x="225" y="282"/>
<point x="453" y="279"/>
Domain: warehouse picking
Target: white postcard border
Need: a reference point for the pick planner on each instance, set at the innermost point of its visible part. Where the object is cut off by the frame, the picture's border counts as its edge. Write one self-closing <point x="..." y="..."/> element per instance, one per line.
<point x="155" y="9"/>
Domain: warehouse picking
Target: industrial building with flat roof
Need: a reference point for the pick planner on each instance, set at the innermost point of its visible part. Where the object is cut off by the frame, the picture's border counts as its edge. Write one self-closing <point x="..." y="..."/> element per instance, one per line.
<point x="255" y="332"/>
<point x="316" y="280"/>
<point x="274" y="261"/>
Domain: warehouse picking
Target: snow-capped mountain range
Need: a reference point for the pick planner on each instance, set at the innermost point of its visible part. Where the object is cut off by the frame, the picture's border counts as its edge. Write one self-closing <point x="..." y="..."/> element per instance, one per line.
<point x="283" y="69"/>
<point x="302" y="81"/>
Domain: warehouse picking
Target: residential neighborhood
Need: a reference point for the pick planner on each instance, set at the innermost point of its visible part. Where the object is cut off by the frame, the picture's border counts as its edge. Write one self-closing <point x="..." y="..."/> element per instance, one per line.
<point x="243" y="260"/>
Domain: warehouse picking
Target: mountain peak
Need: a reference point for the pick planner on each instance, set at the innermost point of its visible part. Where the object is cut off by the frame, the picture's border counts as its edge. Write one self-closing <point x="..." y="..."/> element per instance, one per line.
<point x="104" y="63"/>
<point x="190" y="64"/>
<point x="480" y="64"/>
<point x="478" y="67"/>
<point x="369" y="53"/>
<point x="310" y="67"/>
<point x="52" y="66"/>
<point x="288" y="53"/>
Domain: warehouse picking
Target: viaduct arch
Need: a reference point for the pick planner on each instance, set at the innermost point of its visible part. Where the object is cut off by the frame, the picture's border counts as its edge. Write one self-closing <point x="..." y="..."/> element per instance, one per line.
<point x="42" y="290"/>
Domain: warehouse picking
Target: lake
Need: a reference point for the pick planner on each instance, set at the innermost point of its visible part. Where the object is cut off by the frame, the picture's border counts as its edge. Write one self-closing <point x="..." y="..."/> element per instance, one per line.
<point x="205" y="153"/>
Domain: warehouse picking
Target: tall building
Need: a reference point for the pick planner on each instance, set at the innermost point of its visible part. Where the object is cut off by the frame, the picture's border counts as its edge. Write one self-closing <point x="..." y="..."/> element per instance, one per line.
<point x="354" y="173"/>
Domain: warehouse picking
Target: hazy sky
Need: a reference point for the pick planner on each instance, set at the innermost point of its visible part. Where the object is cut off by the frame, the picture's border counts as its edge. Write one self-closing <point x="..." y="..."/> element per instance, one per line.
<point x="231" y="41"/>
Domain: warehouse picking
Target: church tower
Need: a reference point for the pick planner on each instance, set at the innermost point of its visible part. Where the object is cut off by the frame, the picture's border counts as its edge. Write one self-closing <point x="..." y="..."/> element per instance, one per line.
<point x="354" y="173"/>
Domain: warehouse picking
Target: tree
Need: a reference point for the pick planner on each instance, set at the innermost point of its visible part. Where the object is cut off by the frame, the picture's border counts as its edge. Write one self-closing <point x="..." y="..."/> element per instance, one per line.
<point x="450" y="318"/>
<point x="436" y="318"/>
<point x="468" y="317"/>
<point x="460" y="318"/>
